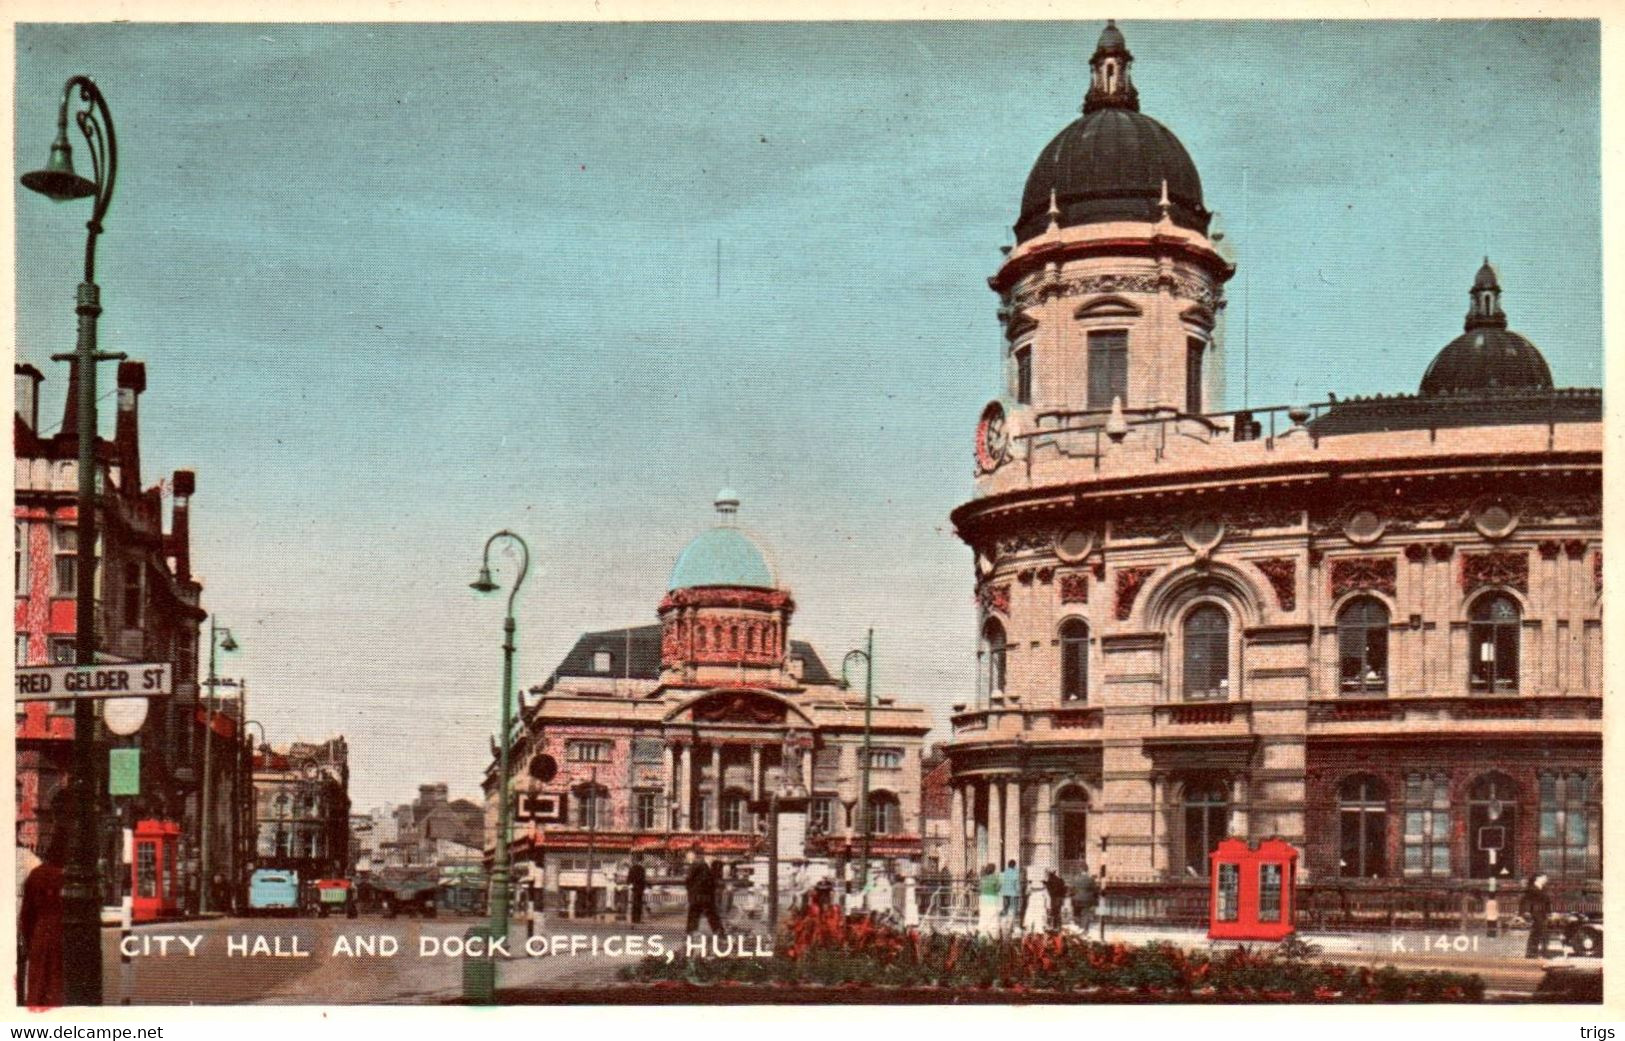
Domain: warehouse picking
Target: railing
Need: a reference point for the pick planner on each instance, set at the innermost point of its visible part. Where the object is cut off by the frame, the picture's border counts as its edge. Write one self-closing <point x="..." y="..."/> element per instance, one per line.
<point x="1207" y="713"/>
<point x="1467" y="708"/>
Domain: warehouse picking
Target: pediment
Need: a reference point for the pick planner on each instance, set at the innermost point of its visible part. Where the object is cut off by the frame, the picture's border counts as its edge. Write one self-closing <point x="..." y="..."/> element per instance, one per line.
<point x="1107" y="307"/>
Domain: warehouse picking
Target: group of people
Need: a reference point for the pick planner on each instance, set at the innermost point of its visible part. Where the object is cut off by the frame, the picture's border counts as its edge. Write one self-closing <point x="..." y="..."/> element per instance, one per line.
<point x="1047" y="904"/>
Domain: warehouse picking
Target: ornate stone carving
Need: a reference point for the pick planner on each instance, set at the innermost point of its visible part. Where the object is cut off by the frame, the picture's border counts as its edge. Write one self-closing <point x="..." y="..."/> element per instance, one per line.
<point x="1025" y="576"/>
<point x="1416" y="551"/>
<point x="1596" y="571"/>
<point x="1402" y="513"/>
<point x="1574" y="549"/>
<point x="1046" y="575"/>
<point x="1495" y="569"/>
<point x="1129" y="581"/>
<point x="1349" y="574"/>
<point x="1442" y="550"/>
<point x="995" y="598"/>
<point x="1171" y="527"/>
<point x="1074" y="588"/>
<point x="1549" y="548"/>
<point x="1031" y="541"/>
<point x="1283" y="575"/>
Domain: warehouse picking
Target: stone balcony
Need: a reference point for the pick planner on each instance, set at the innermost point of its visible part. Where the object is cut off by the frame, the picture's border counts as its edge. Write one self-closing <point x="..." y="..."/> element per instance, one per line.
<point x="1480" y="713"/>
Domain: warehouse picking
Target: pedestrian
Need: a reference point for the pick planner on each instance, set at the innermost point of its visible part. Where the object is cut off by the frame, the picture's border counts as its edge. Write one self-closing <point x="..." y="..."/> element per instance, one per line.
<point x="1055" y="888"/>
<point x="1085" y="894"/>
<point x="701" y="895"/>
<point x="637" y="880"/>
<point x="1010" y="890"/>
<point x="878" y="897"/>
<point x="1537" y="905"/>
<point x="719" y="889"/>
<point x="1037" y="914"/>
<point x="39" y="928"/>
<point x="987" y="901"/>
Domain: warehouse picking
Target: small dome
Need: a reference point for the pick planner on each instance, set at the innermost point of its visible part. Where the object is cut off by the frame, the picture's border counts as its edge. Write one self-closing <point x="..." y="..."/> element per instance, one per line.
<point x="1487" y="358"/>
<point x="1485" y="279"/>
<point x="723" y="556"/>
<point x="1111" y="38"/>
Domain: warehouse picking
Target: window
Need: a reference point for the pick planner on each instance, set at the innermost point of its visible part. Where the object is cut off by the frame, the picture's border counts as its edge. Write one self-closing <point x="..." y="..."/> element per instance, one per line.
<point x="1569" y="841"/>
<point x="1492" y="824"/>
<point x="1108" y="368"/>
<point x="1074" y="660"/>
<point x="1207" y="653"/>
<point x="1362" y="812"/>
<point x="67" y="561"/>
<point x="22" y="650"/>
<point x="591" y="806"/>
<point x="132" y="595"/>
<point x="648" y="750"/>
<point x="1229" y="892"/>
<point x="1024" y="375"/>
<point x="21" y="566"/>
<point x="1493" y="642"/>
<point x="734" y="811"/>
<point x="1207" y="820"/>
<point x="1362" y="646"/>
<point x="602" y="662"/>
<point x="1193" y="376"/>
<point x="886" y="759"/>
<point x="587" y="751"/>
<point x="885" y="814"/>
<point x="1427" y="825"/>
<point x="821" y="815"/>
<point x="645" y="810"/>
<point x="64" y="649"/>
<point x="282" y="804"/>
<point x="991" y="658"/>
<point x="1269" y="892"/>
<point x="702" y="812"/>
<point x="146" y="870"/>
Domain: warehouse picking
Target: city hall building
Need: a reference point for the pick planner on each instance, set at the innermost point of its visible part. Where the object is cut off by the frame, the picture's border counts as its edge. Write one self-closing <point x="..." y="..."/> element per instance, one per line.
<point x="1370" y="627"/>
<point x="668" y="738"/>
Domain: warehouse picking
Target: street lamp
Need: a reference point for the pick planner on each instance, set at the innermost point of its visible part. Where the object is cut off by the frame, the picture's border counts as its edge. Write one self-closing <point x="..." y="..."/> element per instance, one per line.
<point x="228" y="645"/>
<point x="499" y="865"/>
<point x="868" y="656"/>
<point x="81" y="912"/>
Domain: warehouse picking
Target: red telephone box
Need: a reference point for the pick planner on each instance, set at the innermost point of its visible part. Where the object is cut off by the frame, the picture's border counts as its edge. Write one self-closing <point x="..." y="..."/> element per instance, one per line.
<point x="153" y="886"/>
<point x="1252" y="894"/>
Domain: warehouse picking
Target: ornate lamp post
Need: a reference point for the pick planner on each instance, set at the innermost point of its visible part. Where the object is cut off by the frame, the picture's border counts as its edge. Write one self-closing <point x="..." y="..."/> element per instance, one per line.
<point x="207" y="825"/>
<point x="499" y="863"/>
<point x="868" y="656"/>
<point x="81" y="913"/>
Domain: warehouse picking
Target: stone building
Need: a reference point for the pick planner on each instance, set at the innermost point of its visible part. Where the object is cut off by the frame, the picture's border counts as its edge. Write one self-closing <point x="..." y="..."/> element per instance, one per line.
<point x="666" y="738"/>
<point x="1370" y="627"/>
<point x="302" y="808"/>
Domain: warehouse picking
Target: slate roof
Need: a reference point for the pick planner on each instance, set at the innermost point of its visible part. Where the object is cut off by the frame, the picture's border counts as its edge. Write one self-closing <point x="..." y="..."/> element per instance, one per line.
<point x="635" y="654"/>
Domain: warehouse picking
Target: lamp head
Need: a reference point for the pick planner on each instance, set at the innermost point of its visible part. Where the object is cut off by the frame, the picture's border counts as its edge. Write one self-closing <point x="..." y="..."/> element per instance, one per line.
<point x="57" y="181"/>
<point x="483" y="584"/>
<point x="228" y="644"/>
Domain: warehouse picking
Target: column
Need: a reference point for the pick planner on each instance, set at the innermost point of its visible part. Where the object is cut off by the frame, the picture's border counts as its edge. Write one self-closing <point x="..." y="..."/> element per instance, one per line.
<point x="715" y="821"/>
<point x="956" y="834"/>
<point x="1012" y="821"/>
<point x="685" y="789"/>
<point x="1044" y="830"/>
<point x="980" y="852"/>
<point x="668" y="766"/>
<point x="756" y="772"/>
<point x="995" y="823"/>
<point x="801" y="767"/>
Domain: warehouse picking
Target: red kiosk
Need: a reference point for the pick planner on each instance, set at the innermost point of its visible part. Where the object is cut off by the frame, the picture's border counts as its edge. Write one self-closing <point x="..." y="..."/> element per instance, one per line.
<point x="153" y="886"/>
<point x="1252" y="893"/>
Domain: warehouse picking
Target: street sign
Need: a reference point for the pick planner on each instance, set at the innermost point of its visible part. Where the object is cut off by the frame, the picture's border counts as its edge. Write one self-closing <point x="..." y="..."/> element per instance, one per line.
<point x="106" y="680"/>
<point x="124" y="771"/>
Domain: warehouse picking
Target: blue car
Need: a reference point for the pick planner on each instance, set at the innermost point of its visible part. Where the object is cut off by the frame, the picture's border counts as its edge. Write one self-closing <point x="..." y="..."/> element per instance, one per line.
<point x="273" y="891"/>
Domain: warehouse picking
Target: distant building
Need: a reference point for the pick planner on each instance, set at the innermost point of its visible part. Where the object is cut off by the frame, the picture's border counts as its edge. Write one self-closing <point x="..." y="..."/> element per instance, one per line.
<point x="935" y="798"/>
<point x="302" y="808"/>
<point x="670" y="737"/>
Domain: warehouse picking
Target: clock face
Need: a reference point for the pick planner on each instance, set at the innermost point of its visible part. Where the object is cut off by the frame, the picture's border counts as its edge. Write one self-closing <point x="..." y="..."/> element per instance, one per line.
<point x="992" y="438"/>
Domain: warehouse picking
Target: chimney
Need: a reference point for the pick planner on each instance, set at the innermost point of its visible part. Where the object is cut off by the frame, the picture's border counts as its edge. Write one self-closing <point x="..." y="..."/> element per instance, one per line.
<point x="27" y="381"/>
<point x="180" y="529"/>
<point x="132" y="381"/>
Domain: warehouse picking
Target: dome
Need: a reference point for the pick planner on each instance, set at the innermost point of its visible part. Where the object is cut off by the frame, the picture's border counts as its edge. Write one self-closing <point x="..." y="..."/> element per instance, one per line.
<point x="1488" y="355"/>
<point x="723" y="556"/>
<point x="1113" y="162"/>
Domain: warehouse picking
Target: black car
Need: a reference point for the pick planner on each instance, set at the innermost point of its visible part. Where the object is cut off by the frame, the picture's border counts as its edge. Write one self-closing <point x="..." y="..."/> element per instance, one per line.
<point x="1581" y="931"/>
<point x="415" y="898"/>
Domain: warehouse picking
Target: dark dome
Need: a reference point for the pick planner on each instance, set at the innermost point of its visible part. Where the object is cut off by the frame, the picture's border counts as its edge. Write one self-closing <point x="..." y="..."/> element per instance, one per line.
<point x="1110" y="165"/>
<point x="1486" y="358"/>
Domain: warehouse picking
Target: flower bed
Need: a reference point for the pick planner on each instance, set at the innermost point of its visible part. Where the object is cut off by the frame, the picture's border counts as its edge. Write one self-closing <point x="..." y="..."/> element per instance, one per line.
<point x="824" y="947"/>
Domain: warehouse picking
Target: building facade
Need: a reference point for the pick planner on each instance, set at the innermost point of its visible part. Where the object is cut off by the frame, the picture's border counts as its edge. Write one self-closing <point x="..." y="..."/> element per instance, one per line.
<point x="1371" y="627"/>
<point x="672" y="737"/>
<point x="302" y="809"/>
<point x="147" y="609"/>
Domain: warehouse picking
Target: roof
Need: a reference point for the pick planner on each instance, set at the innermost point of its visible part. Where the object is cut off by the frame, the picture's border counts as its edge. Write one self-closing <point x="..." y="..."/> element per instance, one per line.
<point x="635" y="654"/>
<point x="1491" y="407"/>
<point x="1484" y="358"/>
<point x="723" y="556"/>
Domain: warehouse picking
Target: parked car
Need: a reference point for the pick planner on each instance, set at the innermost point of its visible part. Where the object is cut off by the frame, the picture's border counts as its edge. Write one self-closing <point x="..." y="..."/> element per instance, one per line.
<point x="410" y="898"/>
<point x="334" y="895"/>
<point x="1581" y="932"/>
<point x="273" y="891"/>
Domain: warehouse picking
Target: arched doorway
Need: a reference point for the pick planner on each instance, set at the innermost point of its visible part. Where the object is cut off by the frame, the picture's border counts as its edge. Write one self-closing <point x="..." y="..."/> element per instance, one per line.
<point x="1072" y="828"/>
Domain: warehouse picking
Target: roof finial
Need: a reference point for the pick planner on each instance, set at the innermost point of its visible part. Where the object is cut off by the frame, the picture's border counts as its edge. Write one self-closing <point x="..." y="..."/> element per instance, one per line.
<point x="1054" y="212"/>
<point x="727" y="505"/>
<point x="1110" y="85"/>
<point x="1163" y="204"/>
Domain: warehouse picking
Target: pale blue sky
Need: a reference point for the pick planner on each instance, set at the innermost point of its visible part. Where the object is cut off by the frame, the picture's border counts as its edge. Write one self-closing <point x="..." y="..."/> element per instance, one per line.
<point x="400" y="286"/>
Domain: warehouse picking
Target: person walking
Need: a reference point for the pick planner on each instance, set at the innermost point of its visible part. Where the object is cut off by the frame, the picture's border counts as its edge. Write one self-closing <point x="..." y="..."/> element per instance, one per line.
<point x="1085" y="894"/>
<point x="1010" y="890"/>
<point x="719" y="890"/>
<point x="39" y="928"/>
<point x="1537" y="905"/>
<point x="637" y="880"/>
<point x="1055" y="888"/>
<point x="1037" y="914"/>
<point x="701" y="895"/>
<point x="987" y="902"/>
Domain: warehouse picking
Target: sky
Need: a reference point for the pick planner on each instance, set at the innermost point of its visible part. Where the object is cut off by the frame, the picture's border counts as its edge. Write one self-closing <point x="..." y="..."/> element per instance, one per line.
<point x="399" y="287"/>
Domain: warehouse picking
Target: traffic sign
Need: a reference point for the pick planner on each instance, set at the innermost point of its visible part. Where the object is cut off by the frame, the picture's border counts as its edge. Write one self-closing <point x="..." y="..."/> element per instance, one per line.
<point x="104" y="680"/>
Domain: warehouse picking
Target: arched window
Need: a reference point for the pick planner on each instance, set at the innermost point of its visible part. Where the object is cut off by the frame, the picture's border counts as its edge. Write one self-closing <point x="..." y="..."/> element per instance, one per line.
<point x="1074" y="660"/>
<point x="1362" y="811"/>
<point x="1493" y="642"/>
<point x="591" y="806"/>
<point x="885" y="814"/>
<point x="1569" y="840"/>
<point x="991" y="658"/>
<point x="1207" y="653"/>
<point x="1492" y="825"/>
<point x="1362" y="646"/>
<point x="735" y="812"/>
<point x="1207" y="820"/>
<point x="1427" y="825"/>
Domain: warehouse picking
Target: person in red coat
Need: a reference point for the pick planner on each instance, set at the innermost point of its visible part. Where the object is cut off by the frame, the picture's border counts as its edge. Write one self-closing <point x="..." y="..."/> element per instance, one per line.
<point x="39" y="930"/>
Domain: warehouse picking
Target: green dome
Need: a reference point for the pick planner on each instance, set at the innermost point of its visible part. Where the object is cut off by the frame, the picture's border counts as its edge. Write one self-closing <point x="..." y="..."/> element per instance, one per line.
<point x="722" y="557"/>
